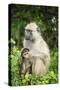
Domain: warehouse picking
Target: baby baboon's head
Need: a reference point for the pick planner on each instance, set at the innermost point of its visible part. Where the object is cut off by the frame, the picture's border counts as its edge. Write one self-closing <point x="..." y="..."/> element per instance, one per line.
<point x="25" y="53"/>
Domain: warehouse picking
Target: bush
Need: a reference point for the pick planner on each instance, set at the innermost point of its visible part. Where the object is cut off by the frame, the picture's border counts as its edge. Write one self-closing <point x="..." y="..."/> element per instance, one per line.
<point x="50" y="78"/>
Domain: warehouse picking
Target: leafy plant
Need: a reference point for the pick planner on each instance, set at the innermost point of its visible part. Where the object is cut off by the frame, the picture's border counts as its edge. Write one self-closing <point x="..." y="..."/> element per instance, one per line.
<point x="50" y="78"/>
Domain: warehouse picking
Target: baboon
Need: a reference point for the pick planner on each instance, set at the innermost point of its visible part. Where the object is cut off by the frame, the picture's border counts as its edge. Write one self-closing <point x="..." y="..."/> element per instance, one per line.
<point x="25" y="66"/>
<point x="39" y="50"/>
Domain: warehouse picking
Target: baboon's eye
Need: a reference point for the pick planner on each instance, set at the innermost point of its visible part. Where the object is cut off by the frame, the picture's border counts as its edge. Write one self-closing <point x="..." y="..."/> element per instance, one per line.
<point x="25" y="53"/>
<point x="28" y="31"/>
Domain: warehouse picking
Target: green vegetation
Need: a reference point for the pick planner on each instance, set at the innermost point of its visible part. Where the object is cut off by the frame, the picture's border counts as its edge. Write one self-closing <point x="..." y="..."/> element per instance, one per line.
<point x="50" y="78"/>
<point x="47" y="19"/>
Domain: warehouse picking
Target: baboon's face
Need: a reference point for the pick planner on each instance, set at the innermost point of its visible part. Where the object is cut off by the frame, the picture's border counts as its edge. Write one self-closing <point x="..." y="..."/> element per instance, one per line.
<point x="31" y="32"/>
<point x="25" y="53"/>
<point x="29" y="35"/>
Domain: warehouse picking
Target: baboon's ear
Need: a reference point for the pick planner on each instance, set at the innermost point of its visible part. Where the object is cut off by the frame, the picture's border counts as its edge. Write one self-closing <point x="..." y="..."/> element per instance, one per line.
<point x="38" y="29"/>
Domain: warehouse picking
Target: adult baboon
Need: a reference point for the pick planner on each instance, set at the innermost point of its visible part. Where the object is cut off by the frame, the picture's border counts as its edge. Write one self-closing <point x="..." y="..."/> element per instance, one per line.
<point x="38" y="49"/>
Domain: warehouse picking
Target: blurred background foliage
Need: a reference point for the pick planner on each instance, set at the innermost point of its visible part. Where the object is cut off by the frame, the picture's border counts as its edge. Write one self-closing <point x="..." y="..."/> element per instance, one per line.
<point x="46" y="18"/>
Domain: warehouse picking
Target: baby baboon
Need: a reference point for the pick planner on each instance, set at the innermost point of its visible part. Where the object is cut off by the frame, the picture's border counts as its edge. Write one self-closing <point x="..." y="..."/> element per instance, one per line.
<point x="25" y="66"/>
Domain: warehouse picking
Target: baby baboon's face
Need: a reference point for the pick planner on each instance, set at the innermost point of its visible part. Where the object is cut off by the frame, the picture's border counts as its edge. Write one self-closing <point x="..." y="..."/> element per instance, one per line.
<point x="25" y="53"/>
